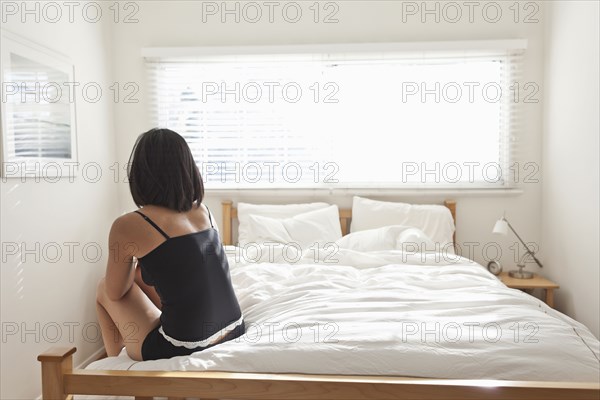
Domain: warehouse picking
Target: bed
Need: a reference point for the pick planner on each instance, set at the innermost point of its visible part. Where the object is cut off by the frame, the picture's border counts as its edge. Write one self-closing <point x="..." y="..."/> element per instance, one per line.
<point x="429" y="328"/>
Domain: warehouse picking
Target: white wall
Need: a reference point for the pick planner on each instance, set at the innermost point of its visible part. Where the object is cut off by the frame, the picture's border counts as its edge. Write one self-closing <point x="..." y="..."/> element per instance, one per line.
<point x="570" y="158"/>
<point x="58" y="293"/>
<point x="179" y="23"/>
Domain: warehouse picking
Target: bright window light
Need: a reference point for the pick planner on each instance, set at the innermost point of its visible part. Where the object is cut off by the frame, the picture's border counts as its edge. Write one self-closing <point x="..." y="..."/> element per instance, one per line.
<point x="350" y="123"/>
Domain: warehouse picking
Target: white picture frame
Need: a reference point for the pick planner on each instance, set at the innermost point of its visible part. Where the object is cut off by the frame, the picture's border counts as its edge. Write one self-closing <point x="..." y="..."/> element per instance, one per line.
<point x="37" y="112"/>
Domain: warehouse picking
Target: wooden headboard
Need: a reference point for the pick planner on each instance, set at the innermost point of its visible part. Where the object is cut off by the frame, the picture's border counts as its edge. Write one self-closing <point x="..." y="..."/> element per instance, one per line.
<point x="230" y="213"/>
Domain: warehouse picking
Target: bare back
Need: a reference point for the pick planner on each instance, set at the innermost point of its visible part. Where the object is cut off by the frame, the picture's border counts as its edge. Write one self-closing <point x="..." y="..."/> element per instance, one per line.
<point x="173" y="223"/>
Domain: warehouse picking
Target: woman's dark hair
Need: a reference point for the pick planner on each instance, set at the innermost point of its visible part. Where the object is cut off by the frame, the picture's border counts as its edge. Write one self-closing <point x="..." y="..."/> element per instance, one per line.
<point x="162" y="171"/>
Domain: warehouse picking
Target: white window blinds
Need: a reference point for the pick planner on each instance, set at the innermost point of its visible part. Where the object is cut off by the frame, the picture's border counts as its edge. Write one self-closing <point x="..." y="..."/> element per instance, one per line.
<point x="349" y="120"/>
<point x="37" y="125"/>
<point x="38" y="111"/>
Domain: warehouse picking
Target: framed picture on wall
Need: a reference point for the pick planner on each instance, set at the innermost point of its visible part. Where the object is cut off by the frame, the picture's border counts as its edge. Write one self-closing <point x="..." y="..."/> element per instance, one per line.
<point x="38" y="123"/>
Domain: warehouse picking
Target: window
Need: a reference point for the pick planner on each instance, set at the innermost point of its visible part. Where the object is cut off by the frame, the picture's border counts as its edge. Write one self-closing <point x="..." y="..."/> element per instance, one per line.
<point x="344" y="120"/>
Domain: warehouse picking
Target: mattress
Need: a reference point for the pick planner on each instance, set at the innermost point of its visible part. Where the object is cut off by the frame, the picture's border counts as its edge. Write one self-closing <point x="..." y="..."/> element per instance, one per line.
<point x="389" y="313"/>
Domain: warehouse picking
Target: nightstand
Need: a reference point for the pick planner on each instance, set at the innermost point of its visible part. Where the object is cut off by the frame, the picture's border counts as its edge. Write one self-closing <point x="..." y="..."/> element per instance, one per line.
<point x="537" y="282"/>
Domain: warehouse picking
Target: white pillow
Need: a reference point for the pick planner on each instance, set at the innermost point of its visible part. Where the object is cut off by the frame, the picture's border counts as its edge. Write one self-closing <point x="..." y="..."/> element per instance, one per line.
<point x="245" y="228"/>
<point x="434" y="220"/>
<point x="307" y="229"/>
<point x="392" y="237"/>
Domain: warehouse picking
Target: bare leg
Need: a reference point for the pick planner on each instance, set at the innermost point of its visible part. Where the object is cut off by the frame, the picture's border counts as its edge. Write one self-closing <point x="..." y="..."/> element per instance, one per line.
<point x="113" y="341"/>
<point x="134" y="315"/>
<point x="149" y="290"/>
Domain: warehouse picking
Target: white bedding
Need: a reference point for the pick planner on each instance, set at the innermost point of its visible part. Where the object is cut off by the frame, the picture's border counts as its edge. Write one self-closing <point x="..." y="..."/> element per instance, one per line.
<point x="386" y="313"/>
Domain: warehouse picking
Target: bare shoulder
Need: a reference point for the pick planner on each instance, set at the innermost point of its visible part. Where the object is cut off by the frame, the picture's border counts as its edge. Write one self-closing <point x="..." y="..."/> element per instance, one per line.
<point x="125" y="226"/>
<point x="209" y="215"/>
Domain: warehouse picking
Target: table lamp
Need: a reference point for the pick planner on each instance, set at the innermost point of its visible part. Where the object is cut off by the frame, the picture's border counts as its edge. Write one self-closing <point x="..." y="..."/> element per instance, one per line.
<point x="501" y="228"/>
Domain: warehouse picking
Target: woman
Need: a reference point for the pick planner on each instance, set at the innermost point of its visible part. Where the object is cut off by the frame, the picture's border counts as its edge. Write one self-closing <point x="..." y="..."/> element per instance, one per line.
<point x="167" y="290"/>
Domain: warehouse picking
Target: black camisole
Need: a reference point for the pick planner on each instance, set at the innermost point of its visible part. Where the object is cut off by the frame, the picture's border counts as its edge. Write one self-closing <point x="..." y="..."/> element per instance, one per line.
<point x="191" y="276"/>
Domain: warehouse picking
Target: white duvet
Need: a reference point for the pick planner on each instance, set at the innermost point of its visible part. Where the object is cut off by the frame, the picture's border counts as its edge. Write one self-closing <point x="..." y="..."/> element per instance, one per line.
<point x="389" y="313"/>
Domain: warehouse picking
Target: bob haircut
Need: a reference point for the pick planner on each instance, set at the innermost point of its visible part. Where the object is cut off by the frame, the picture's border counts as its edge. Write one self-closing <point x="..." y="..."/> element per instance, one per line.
<point x="162" y="171"/>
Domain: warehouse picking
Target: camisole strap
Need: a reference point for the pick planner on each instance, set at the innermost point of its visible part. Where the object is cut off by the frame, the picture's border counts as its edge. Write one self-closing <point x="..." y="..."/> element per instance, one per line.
<point x="153" y="224"/>
<point x="209" y="217"/>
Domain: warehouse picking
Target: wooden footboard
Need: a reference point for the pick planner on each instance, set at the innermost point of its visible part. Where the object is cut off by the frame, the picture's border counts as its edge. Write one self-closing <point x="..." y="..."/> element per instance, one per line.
<point x="60" y="381"/>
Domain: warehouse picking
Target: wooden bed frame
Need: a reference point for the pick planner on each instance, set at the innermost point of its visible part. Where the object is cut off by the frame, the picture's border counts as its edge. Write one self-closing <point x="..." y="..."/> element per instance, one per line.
<point x="61" y="381"/>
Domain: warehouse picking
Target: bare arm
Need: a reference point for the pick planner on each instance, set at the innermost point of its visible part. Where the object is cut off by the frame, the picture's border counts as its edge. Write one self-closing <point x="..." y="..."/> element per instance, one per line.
<point x="120" y="271"/>
<point x="149" y="290"/>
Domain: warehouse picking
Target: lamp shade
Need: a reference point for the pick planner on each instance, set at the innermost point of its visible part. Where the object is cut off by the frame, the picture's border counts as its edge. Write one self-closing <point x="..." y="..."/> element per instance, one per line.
<point x="501" y="227"/>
